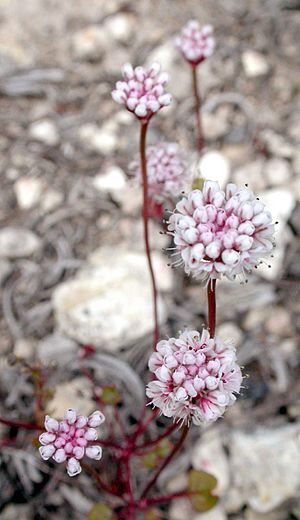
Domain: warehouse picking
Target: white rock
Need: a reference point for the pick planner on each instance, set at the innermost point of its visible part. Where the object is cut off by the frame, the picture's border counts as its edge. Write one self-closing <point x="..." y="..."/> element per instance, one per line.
<point x="229" y="330"/>
<point x="76" y="393"/>
<point x="251" y="174"/>
<point x="180" y="509"/>
<point x="109" y="304"/>
<point x="265" y="466"/>
<point x="110" y="180"/>
<point x="255" y="64"/>
<point x="215" y="125"/>
<point x="217" y="513"/>
<point x="295" y="187"/>
<point x="18" y="242"/>
<point x="101" y="140"/>
<point x="44" y="131"/>
<point x="256" y="317"/>
<point x="277" y="144"/>
<point x="209" y="455"/>
<point x="51" y="199"/>
<point x="280" y="202"/>
<point x="56" y="346"/>
<point x="24" y="348"/>
<point x="120" y="27"/>
<point x="274" y="515"/>
<point x="279" y="322"/>
<point x="89" y="43"/>
<point x="214" y="166"/>
<point x="28" y="191"/>
<point x="277" y="171"/>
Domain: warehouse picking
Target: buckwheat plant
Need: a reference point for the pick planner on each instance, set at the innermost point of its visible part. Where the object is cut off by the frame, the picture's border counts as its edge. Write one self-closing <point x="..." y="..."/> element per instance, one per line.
<point x="196" y="45"/>
<point x="195" y="377"/>
<point x="143" y="92"/>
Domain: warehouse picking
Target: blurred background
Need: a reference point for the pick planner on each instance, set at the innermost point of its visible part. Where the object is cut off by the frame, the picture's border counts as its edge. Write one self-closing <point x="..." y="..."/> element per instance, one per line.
<point x="72" y="267"/>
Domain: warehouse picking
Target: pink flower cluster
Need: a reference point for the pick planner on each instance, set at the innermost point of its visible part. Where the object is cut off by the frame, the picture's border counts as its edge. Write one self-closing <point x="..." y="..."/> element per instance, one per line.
<point x="221" y="233"/>
<point x="194" y="43"/>
<point x="143" y="90"/>
<point x="70" y="439"/>
<point x="167" y="169"/>
<point x="196" y="377"/>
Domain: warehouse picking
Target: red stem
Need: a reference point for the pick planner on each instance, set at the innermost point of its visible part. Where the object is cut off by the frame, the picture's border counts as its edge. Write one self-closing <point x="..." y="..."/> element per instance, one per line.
<point x="99" y="480"/>
<point x="211" y="304"/>
<point x="166" y="498"/>
<point x="20" y="424"/>
<point x="166" y="433"/>
<point x="143" y="133"/>
<point x="167" y="460"/>
<point x="197" y="98"/>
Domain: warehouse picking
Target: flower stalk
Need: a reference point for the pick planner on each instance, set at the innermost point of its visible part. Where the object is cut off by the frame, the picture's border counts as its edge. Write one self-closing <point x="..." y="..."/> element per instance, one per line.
<point x="197" y="101"/>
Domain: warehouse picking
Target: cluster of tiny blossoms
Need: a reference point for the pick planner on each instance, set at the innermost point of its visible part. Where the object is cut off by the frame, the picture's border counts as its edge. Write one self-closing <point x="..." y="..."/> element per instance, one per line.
<point x="221" y="233"/>
<point x="69" y="440"/>
<point x="143" y="90"/>
<point x="167" y="170"/>
<point x="194" y="43"/>
<point x="197" y="377"/>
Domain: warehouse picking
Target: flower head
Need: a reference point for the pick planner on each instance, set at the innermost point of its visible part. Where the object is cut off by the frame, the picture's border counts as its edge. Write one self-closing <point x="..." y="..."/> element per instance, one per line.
<point x="221" y="233"/>
<point x="143" y="90"/>
<point x="167" y="169"/>
<point x="71" y="439"/>
<point x="196" y="377"/>
<point x="194" y="43"/>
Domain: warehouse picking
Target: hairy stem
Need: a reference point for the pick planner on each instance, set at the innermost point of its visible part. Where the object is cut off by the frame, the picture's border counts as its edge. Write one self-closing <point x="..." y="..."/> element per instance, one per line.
<point x="167" y="460"/>
<point x="197" y="99"/>
<point x="211" y="306"/>
<point x="143" y="133"/>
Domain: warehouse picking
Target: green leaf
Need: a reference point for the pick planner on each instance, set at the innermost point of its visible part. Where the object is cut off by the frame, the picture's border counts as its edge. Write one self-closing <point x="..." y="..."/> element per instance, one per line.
<point x="203" y="501"/>
<point x="150" y="460"/>
<point x="198" y="183"/>
<point x="101" y="511"/>
<point x="163" y="448"/>
<point x="201" y="481"/>
<point x="152" y="514"/>
<point x="110" y="395"/>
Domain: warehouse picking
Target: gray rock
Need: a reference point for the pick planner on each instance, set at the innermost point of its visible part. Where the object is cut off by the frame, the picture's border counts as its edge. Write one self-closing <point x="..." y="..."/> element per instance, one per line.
<point x="265" y="466"/>
<point x="5" y="269"/>
<point x="101" y="140"/>
<point x="295" y="220"/>
<point x="277" y="171"/>
<point x="44" y="131"/>
<point x="251" y="174"/>
<point x="255" y="64"/>
<point x="18" y="242"/>
<point x="89" y="43"/>
<point x="109" y="304"/>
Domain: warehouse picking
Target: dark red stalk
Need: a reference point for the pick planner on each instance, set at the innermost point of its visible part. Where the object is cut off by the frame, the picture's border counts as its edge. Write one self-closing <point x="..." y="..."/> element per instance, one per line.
<point x="197" y="98"/>
<point x="143" y="133"/>
<point x="211" y="306"/>
<point x="20" y="424"/>
<point x="167" y="460"/>
<point x="165" y="434"/>
<point x="102" y="485"/>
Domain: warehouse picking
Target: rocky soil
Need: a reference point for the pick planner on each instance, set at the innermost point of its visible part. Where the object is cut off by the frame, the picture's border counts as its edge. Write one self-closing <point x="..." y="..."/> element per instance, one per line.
<point x="72" y="268"/>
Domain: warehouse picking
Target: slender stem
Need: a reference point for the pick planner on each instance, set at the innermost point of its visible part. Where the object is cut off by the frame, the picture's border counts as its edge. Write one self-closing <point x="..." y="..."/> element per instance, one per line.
<point x="167" y="498"/>
<point x="211" y="305"/>
<point x="165" y="434"/>
<point x="143" y="133"/>
<point x="102" y="485"/>
<point x="197" y="98"/>
<point x="167" y="460"/>
<point x="143" y="426"/>
<point x="21" y="424"/>
<point x="131" y="505"/>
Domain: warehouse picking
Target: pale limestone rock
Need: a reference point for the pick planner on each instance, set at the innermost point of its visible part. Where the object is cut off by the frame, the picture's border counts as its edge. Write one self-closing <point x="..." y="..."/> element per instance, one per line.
<point x="18" y="242"/>
<point x="24" y="347"/>
<point x="120" y="27"/>
<point x="112" y="179"/>
<point x="254" y="64"/>
<point x="28" y="191"/>
<point x="101" y="140"/>
<point x="209" y="455"/>
<point x="109" y="303"/>
<point x="251" y="174"/>
<point x="89" y="43"/>
<point x="229" y="330"/>
<point x="265" y="466"/>
<point x="214" y="166"/>
<point x="279" y="322"/>
<point x="277" y="171"/>
<point x="44" y="131"/>
<point x="77" y="392"/>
